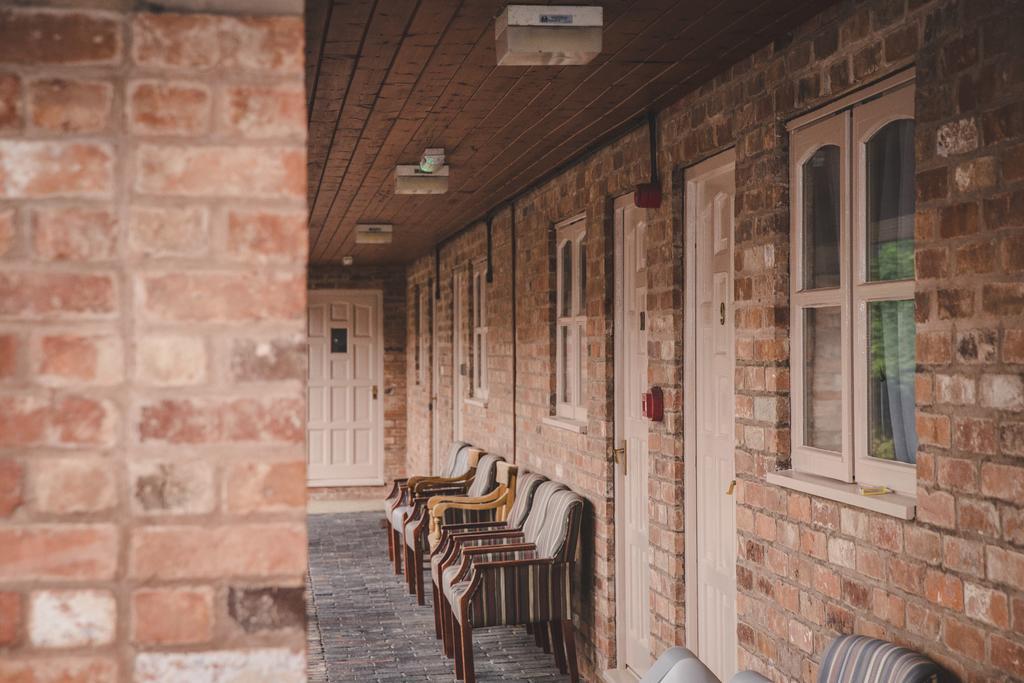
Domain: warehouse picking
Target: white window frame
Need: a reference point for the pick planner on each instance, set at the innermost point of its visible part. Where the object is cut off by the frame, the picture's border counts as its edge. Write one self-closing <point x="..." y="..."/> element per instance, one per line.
<point x="478" y="323"/>
<point x="849" y="128"/>
<point x="572" y="232"/>
<point x="422" y="338"/>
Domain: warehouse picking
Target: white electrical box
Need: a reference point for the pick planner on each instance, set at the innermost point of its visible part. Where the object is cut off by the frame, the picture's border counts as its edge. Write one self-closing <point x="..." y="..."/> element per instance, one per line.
<point x="410" y="179"/>
<point x="548" y="35"/>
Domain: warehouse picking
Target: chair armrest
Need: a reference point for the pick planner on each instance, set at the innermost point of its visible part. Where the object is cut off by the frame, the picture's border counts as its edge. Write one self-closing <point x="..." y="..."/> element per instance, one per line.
<point x="492" y="499"/>
<point x="415" y="483"/>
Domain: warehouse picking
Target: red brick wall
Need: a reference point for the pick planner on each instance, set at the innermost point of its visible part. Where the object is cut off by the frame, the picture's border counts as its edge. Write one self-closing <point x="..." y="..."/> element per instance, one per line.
<point x="152" y="236"/>
<point x="391" y="281"/>
<point x="808" y="569"/>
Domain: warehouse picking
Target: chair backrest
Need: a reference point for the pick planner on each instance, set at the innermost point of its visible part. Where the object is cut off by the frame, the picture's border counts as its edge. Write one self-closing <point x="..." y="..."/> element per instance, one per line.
<point x="561" y="529"/>
<point x="526" y="488"/>
<point x="483" y="478"/>
<point x="466" y="460"/>
<point x="535" y="519"/>
<point x="859" y="659"/>
<point x="453" y="456"/>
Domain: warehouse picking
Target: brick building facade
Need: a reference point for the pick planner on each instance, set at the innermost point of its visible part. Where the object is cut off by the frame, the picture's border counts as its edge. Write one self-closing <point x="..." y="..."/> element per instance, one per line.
<point x="152" y="316"/>
<point x="948" y="582"/>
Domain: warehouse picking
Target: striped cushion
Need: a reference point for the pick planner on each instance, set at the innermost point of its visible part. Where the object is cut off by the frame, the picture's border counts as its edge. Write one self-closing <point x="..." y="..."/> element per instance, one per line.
<point x="526" y="487"/>
<point x="483" y="478"/>
<point x="452" y="464"/>
<point x="859" y="659"/>
<point x="460" y="463"/>
<point x="535" y="519"/>
<point x="557" y="538"/>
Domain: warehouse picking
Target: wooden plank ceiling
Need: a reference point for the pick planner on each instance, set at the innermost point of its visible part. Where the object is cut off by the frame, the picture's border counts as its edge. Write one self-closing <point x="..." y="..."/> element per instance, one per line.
<point x="388" y="78"/>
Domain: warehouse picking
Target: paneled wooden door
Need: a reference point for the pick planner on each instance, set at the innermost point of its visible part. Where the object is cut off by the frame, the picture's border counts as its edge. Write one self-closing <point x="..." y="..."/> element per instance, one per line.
<point x="711" y="570"/>
<point x="632" y="587"/>
<point x="345" y="428"/>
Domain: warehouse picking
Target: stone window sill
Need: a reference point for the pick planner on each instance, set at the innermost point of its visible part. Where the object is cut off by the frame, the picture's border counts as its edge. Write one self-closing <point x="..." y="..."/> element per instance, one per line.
<point x="892" y="504"/>
<point x="478" y="402"/>
<point x="565" y="423"/>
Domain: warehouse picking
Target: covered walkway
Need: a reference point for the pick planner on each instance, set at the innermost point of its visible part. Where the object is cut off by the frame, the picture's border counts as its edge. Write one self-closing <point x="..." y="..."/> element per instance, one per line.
<point x="365" y="627"/>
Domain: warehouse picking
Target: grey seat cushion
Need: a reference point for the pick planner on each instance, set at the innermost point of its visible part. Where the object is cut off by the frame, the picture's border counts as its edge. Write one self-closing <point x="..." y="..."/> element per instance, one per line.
<point x="398" y="515"/>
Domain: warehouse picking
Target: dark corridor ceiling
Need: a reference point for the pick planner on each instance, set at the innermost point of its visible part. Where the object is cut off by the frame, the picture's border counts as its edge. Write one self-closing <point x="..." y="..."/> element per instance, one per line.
<point x="388" y="78"/>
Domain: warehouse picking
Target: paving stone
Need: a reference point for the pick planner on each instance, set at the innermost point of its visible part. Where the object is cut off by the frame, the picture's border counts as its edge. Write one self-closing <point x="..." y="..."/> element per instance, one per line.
<point x="364" y="625"/>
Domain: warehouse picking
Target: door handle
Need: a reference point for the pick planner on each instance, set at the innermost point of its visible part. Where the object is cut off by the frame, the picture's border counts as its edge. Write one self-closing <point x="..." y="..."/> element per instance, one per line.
<point x="732" y="487"/>
<point x="620" y="457"/>
<point x="721" y="313"/>
<point x="374" y="392"/>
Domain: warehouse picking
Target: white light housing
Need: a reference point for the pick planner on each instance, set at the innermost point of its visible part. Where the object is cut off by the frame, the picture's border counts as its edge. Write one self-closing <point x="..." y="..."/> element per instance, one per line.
<point x="432" y="159"/>
<point x="548" y="35"/>
<point x="373" y="233"/>
<point x="411" y="180"/>
<point x="347" y="260"/>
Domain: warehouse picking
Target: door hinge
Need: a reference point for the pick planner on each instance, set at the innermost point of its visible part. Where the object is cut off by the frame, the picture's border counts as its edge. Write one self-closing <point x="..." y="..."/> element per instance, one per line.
<point x="620" y="457"/>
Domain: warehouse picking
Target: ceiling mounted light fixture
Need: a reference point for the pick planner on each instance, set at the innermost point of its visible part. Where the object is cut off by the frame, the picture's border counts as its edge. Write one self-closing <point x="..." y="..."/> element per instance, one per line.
<point x="374" y="233"/>
<point x="347" y="260"/>
<point x="432" y="159"/>
<point x="548" y="35"/>
<point x="412" y="180"/>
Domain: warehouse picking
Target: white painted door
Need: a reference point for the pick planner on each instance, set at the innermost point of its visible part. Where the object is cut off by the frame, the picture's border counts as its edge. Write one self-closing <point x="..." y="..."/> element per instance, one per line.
<point x="633" y="611"/>
<point x="346" y="365"/>
<point x="711" y="185"/>
<point x="460" y="282"/>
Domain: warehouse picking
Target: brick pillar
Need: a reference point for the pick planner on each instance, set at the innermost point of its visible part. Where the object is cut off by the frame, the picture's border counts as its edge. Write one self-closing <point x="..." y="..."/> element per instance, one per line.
<point x="152" y="303"/>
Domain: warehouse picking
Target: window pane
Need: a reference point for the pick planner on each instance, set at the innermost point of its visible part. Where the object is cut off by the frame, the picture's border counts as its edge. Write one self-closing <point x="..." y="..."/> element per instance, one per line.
<point x="566" y="303"/>
<point x="892" y="434"/>
<point x="890" y="197"/>
<point x="823" y="377"/>
<point x="583" y="277"/>
<point x="821" y="219"/>
<point x="581" y="358"/>
<point x="563" y="345"/>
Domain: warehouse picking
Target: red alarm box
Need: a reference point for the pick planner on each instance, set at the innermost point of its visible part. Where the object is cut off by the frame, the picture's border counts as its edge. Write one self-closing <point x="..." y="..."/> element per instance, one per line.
<point x="654" y="404"/>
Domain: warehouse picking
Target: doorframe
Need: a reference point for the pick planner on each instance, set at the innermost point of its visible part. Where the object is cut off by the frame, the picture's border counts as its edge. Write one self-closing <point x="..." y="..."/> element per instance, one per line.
<point x="724" y="158"/>
<point x="435" y="377"/>
<point x="378" y="295"/>
<point x="620" y="674"/>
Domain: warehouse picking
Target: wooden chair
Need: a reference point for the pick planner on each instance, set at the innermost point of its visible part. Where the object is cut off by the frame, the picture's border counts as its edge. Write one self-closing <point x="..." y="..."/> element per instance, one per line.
<point x="418" y="490"/>
<point x="416" y="526"/>
<point x="520" y="584"/>
<point x="453" y="534"/>
<point x="491" y="507"/>
<point x="400" y="485"/>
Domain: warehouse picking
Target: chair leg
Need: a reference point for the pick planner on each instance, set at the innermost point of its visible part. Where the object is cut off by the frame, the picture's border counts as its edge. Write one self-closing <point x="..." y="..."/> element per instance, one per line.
<point x="417" y="569"/>
<point x="446" y="629"/>
<point x="540" y="636"/>
<point x="557" y="646"/>
<point x="396" y="543"/>
<point x="408" y="569"/>
<point x="437" y="611"/>
<point x="466" y="631"/>
<point x="391" y="547"/>
<point x="569" y="635"/>
<point x="456" y="637"/>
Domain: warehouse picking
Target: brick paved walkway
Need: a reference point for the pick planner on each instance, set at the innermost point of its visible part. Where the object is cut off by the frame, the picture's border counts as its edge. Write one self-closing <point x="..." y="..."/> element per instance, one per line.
<point x="364" y="626"/>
